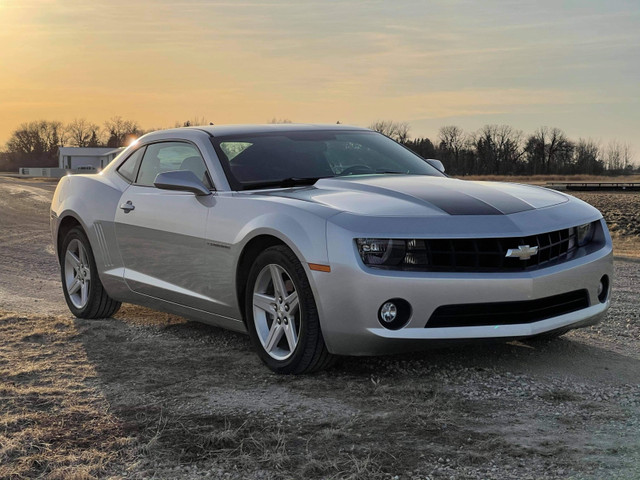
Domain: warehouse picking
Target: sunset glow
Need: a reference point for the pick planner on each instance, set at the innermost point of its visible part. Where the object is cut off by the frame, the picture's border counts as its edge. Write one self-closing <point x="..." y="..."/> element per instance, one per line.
<point x="428" y="63"/>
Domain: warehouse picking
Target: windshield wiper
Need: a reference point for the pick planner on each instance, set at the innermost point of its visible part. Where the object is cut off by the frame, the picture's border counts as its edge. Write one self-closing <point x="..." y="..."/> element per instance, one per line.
<point x="391" y="172"/>
<point x="295" y="181"/>
<point x="284" y="183"/>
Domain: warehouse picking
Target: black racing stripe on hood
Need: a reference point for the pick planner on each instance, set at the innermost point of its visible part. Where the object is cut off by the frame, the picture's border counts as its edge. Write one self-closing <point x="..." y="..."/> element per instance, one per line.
<point x="451" y="201"/>
<point x="455" y="202"/>
<point x="504" y="202"/>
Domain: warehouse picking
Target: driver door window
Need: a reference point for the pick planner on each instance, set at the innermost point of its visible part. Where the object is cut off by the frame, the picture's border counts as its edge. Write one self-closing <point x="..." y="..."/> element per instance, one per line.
<point x="169" y="156"/>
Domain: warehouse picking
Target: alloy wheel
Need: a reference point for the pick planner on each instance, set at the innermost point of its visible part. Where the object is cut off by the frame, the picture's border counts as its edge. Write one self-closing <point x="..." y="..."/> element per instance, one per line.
<point x="276" y="311"/>
<point x="77" y="273"/>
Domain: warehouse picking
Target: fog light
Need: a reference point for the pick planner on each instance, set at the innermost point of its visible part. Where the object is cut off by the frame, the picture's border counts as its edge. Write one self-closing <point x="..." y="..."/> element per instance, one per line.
<point x="394" y="313"/>
<point x="388" y="312"/>
<point x="603" y="289"/>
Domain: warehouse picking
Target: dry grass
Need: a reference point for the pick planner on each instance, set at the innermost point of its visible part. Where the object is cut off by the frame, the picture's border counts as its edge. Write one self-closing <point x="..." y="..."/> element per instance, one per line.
<point x="621" y="210"/>
<point x="542" y="179"/>
<point x="82" y="400"/>
<point x="53" y="423"/>
<point x="626" y="247"/>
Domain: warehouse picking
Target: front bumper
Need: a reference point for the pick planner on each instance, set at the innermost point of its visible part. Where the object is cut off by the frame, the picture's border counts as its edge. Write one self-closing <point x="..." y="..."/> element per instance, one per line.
<point x="350" y="296"/>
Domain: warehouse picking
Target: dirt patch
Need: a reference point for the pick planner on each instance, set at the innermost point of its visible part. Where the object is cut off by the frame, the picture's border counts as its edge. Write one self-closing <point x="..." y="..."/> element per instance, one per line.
<point x="622" y="213"/>
<point x="152" y="395"/>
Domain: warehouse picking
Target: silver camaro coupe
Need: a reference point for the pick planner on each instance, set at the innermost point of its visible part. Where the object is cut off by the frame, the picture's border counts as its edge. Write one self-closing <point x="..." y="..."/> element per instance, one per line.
<point x="325" y="240"/>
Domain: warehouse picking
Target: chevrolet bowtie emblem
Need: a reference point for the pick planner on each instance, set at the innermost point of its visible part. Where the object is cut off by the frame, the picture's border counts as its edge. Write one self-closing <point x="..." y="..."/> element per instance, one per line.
<point x="523" y="252"/>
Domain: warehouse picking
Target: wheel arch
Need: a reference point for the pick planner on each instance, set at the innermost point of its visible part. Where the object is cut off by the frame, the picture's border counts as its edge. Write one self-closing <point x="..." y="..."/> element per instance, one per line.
<point x="250" y="252"/>
<point x="303" y="233"/>
<point x="67" y="223"/>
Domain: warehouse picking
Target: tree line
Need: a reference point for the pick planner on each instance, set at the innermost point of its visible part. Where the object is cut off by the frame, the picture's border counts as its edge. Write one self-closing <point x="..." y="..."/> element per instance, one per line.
<point x="35" y="144"/>
<point x="492" y="150"/>
<point x="504" y="150"/>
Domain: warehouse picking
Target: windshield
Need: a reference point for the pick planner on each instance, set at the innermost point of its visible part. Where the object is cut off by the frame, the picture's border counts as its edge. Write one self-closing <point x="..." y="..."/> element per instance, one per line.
<point x="299" y="158"/>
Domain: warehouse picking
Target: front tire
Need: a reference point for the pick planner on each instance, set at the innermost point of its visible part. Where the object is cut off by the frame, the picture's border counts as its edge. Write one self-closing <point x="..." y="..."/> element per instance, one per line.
<point x="83" y="291"/>
<point x="281" y="313"/>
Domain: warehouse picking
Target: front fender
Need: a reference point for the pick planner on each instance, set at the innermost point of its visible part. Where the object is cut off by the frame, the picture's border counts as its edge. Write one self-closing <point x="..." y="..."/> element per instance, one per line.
<point x="306" y="237"/>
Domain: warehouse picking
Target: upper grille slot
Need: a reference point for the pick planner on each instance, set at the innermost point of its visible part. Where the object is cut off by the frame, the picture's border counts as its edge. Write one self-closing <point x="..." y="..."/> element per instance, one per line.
<point x="489" y="254"/>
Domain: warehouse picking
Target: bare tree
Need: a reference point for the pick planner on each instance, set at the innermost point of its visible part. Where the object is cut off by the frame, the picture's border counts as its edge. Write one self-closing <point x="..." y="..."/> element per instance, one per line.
<point x="275" y="120"/>
<point x="399" y="131"/>
<point x="549" y="151"/>
<point x="452" y="141"/>
<point x="36" y="143"/>
<point x="192" y="122"/>
<point x="121" y="132"/>
<point x="451" y="137"/>
<point x="627" y="156"/>
<point x="82" y="133"/>
<point x="588" y="157"/>
<point x="614" y="156"/>
<point x="499" y="148"/>
<point x="402" y="132"/>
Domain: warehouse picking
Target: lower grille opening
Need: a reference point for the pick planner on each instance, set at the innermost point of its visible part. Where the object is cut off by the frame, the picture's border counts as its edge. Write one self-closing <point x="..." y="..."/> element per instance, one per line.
<point x="508" y="313"/>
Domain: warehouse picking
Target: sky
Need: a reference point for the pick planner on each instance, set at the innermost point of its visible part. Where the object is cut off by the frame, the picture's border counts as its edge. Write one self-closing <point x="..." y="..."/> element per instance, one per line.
<point x="568" y="64"/>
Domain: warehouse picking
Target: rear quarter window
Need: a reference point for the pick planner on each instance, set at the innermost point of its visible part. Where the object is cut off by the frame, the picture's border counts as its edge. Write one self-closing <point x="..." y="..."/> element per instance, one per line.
<point x="129" y="167"/>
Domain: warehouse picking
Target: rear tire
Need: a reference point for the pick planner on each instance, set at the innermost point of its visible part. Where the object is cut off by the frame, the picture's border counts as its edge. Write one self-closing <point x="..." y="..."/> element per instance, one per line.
<point x="83" y="290"/>
<point x="282" y="317"/>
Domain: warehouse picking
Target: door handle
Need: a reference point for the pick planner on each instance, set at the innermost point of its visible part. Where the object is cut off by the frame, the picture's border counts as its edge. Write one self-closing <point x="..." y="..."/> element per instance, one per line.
<point x="127" y="207"/>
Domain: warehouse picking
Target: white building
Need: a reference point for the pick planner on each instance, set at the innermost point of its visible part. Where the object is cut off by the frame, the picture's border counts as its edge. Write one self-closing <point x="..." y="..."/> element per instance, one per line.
<point x="70" y="158"/>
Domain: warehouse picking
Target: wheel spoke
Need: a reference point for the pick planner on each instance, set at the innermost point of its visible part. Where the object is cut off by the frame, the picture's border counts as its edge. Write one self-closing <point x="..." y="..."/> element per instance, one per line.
<point x="292" y="301"/>
<point x="74" y="287"/>
<point x="84" y="293"/>
<point x="292" y="335"/>
<point x="264" y="302"/>
<point x="83" y="255"/>
<point x="75" y="261"/>
<point x="278" y="283"/>
<point x="275" y="334"/>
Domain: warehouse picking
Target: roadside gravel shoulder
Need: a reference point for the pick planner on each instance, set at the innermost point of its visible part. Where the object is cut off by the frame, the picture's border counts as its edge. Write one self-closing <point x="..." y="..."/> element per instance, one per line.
<point x="151" y="395"/>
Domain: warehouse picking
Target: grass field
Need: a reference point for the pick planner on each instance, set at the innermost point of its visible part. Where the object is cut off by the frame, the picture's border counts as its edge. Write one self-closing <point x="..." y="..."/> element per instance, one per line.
<point x="542" y="179"/>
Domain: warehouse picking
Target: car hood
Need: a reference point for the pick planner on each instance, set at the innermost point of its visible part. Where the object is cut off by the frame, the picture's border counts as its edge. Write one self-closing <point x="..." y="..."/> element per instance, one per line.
<point x="420" y="195"/>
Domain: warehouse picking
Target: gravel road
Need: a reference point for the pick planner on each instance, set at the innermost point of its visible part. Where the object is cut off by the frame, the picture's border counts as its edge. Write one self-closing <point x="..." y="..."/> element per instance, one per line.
<point x="150" y="395"/>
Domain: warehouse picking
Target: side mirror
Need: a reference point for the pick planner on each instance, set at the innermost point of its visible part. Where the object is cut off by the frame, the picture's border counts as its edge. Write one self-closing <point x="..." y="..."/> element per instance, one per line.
<point x="182" y="180"/>
<point x="437" y="164"/>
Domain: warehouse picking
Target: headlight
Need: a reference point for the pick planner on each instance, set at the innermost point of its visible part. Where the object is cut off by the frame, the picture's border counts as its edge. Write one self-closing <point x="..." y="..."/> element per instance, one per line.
<point x="381" y="251"/>
<point x="390" y="252"/>
<point x="584" y="233"/>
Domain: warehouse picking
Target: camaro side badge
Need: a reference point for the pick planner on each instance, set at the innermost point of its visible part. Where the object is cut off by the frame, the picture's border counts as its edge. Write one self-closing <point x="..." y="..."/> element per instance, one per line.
<point x="523" y="252"/>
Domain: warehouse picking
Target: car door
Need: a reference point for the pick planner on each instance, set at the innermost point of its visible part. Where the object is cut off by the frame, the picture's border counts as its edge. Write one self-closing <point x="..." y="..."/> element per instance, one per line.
<point x="161" y="233"/>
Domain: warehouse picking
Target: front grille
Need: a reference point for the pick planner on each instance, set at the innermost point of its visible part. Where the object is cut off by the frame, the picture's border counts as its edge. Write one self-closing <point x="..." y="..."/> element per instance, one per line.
<point x="489" y="254"/>
<point x="508" y="313"/>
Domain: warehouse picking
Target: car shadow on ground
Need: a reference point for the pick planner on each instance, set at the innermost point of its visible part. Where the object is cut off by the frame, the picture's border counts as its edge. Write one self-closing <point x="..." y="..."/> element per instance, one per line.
<point x="198" y="395"/>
